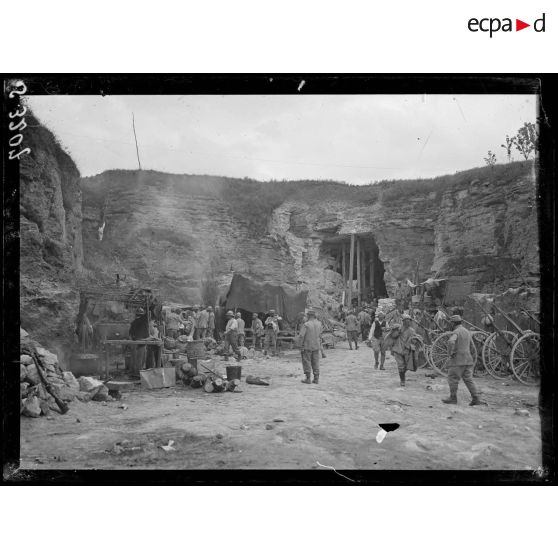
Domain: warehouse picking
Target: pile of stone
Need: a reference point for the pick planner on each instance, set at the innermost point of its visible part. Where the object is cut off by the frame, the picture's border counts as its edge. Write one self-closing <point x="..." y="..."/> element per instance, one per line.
<point x="56" y="388"/>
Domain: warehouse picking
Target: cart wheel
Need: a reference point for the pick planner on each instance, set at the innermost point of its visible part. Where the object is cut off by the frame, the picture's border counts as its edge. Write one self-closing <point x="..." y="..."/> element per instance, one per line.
<point x="525" y="358"/>
<point x="439" y="354"/>
<point x="479" y="338"/>
<point x="496" y="353"/>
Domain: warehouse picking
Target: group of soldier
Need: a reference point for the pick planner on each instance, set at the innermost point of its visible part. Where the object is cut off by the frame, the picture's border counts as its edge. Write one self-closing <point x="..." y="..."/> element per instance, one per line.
<point x="367" y="322"/>
<point x="403" y="342"/>
<point x="264" y="333"/>
<point x="197" y="323"/>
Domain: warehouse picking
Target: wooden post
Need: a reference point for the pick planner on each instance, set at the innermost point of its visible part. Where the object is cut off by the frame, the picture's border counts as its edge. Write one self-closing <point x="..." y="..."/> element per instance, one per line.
<point x="344" y="248"/>
<point x="337" y="261"/>
<point x="363" y="272"/>
<point x="351" y="270"/>
<point x="359" y="275"/>
<point x="373" y="271"/>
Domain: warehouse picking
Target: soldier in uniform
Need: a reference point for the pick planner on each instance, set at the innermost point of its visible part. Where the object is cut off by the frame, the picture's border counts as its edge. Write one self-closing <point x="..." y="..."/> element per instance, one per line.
<point x="310" y="333"/>
<point x="402" y="348"/>
<point x="461" y="363"/>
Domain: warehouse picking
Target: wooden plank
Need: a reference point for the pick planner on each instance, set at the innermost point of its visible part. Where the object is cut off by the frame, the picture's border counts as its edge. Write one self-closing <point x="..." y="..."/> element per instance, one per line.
<point x="351" y="271"/>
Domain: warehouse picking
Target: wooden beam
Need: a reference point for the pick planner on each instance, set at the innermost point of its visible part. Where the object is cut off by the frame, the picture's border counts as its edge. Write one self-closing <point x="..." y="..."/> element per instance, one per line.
<point x="373" y="271"/>
<point x="359" y="274"/>
<point x="351" y="269"/>
<point x="344" y="248"/>
<point x="337" y="261"/>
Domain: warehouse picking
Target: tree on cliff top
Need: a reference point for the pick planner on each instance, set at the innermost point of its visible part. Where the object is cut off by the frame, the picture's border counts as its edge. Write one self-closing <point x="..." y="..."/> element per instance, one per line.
<point x="526" y="139"/>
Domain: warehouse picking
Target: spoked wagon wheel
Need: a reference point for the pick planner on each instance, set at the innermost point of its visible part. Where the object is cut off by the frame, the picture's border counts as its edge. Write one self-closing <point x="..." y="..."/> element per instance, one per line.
<point x="479" y="338"/>
<point x="496" y="353"/>
<point x="525" y="358"/>
<point x="439" y="354"/>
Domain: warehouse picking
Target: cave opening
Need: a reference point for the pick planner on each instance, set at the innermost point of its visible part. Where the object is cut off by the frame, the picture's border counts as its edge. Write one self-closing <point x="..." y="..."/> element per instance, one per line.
<point x="366" y="281"/>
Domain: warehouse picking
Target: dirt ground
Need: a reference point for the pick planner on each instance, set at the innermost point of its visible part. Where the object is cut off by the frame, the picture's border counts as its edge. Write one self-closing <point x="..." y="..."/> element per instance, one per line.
<point x="290" y="425"/>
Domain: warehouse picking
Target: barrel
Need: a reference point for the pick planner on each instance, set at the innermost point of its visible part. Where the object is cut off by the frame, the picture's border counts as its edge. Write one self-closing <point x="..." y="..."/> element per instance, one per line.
<point x="233" y="372"/>
<point x="85" y="364"/>
<point x="195" y="349"/>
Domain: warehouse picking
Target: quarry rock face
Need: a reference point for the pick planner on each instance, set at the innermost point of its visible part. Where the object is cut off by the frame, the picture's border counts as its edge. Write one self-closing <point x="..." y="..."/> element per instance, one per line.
<point x="51" y="250"/>
<point x="176" y="232"/>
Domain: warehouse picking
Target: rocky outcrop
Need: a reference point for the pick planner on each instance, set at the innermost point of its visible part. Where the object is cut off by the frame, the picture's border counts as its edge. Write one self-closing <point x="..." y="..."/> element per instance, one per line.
<point x="51" y="250"/>
<point x="485" y="228"/>
<point x="176" y="231"/>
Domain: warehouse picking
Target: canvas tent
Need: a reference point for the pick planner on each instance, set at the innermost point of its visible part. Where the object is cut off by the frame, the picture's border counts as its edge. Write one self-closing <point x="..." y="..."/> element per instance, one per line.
<point x="255" y="296"/>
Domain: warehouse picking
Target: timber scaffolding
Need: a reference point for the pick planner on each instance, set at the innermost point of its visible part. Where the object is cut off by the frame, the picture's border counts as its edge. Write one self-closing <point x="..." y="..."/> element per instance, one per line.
<point x="357" y="261"/>
<point x="133" y="298"/>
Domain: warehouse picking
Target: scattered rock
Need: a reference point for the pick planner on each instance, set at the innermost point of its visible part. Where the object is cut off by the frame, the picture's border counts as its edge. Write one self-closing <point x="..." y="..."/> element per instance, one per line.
<point x="102" y="394"/>
<point x="522" y="413"/>
<point x="269" y="427"/>
<point x="280" y="420"/>
<point x="124" y="407"/>
<point x="70" y="380"/>
<point x="32" y="375"/>
<point x="219" y="436"/>
<point x="77" y="420"/>
<point x="89" y="384"/>
<point x="45" y="409"/>
<point x="26" y="359"/>
<point x="31" y="407"/>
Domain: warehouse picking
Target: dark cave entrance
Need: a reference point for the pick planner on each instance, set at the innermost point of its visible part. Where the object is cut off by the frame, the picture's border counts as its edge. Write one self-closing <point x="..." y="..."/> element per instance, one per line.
<point x="366" y="281"/>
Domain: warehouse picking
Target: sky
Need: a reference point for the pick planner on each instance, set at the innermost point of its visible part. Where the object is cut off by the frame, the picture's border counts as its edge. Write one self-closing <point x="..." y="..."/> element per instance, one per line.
<point x="357" y="139"/>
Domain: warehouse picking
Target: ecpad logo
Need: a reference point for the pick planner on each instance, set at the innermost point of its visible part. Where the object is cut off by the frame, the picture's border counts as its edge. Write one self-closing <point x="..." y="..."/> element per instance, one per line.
<point x="493" y="25"/>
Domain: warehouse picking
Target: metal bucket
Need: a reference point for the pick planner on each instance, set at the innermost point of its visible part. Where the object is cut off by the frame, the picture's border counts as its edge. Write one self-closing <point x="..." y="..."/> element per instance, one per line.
<point x="233" y="372"/>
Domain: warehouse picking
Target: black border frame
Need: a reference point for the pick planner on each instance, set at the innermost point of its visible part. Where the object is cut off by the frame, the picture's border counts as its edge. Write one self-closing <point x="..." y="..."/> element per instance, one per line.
<point x="544" y="85"/>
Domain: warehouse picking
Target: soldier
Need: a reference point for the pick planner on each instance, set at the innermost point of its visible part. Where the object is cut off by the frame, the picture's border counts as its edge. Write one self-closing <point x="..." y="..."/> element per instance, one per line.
<point x="461" y="363"/>
<point x="203" y="323"/>
<point x="310" y="333"/>
<point x="231" y="336"/>
<point x="210" y="322"/>
<point x="195" y="318"/>
<point x="376" y="338"/>
<point x="258" y="330"/>
<point x="365" y="323"/>
<point x="352" y="327"/>
<point x="241" y="330"/>
<point x="402" y="347"/>
<point x="271" y="329"/>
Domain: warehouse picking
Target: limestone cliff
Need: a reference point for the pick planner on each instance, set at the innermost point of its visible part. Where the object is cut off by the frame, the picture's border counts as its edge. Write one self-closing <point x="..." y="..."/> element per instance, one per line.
<point x="51" y="251"/>
<point x="177" y="231"/>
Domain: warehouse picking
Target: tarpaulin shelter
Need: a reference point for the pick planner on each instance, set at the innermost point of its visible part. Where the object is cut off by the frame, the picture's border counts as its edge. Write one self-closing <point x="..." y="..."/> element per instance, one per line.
<point x="256" y="296"/>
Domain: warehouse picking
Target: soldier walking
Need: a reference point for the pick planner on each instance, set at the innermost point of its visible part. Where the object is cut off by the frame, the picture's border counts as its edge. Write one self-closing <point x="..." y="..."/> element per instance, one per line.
<point x="352" y="327"/>
<point x="460" y="365"/>
<point x="310" y="333"/>
<point x="376" y="339"/>
<point x="402" y="348"/>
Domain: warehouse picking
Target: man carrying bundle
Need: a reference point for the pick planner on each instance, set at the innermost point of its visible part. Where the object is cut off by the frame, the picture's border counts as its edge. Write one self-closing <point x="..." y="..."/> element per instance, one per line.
<point x="403" y="347"/>
<point x="376" y="339"/>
